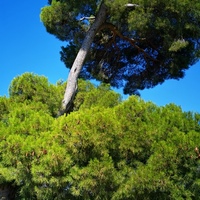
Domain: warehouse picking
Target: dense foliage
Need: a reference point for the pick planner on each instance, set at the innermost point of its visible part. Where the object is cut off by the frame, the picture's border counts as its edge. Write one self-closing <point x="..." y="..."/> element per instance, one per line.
<point x="141" y="43"/>
<point x="105" y="149"/>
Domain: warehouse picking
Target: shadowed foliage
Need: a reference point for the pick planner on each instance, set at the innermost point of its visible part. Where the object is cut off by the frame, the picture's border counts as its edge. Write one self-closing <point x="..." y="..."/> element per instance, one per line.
<point x="140" y="44"/>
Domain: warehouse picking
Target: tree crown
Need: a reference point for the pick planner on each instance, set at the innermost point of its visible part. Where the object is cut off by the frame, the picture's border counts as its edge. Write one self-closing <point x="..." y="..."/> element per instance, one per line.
<point x="139" y="46"/>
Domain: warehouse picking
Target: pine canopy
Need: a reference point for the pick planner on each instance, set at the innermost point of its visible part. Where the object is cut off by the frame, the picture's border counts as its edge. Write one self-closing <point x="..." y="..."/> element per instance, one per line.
<point x="141" y="44"/>
<point x="105" y="149"/>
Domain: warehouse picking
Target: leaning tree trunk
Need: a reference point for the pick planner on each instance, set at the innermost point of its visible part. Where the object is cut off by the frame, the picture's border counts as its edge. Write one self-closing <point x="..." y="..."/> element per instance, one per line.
<point x="80" y="58"/>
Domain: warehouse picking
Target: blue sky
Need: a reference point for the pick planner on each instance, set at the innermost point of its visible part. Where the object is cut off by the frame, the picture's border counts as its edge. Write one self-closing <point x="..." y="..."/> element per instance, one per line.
<point x="27" y="47"/>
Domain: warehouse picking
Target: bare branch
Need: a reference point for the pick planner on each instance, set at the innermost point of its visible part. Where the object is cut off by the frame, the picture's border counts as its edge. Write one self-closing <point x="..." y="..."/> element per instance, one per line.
<point x="87" y="18"/>
<point x="131" y="5"/>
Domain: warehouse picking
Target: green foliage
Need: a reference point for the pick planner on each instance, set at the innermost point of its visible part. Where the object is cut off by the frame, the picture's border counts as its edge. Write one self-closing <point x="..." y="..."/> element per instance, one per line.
<point x="4" y="106"/>
<point x="177" y="45"/>
<point x="61" y="17"/>
<point x="101" y="96"/>
<point x="123" y="150"/>
<point x="91" y="96"/>
<point x="138" y="46"/>
<point x="31" y="87"/>
<point x="19" y="135"/>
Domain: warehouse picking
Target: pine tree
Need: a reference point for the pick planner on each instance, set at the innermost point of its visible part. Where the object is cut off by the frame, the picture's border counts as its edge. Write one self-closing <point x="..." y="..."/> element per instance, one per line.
<point x="123" y="150"/>
<point x="134" y="45"/>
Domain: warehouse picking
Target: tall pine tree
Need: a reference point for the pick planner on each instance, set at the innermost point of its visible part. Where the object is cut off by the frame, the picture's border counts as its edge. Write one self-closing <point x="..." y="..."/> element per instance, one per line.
<point x="129" y="44"/>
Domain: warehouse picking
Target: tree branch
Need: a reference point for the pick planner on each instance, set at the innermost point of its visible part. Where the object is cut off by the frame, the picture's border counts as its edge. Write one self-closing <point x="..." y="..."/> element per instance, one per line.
<point x="131" y="5"/>
<point x="130" y="40"/>
<point x="87" y="18"/>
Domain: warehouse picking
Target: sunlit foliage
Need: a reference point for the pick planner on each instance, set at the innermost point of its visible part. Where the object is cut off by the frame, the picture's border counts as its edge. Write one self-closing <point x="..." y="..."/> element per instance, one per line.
<point x="105" y="149"/>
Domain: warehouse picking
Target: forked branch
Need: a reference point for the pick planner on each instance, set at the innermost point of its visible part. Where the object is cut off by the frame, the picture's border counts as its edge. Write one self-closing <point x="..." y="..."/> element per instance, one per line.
<point x="132" y="41"/>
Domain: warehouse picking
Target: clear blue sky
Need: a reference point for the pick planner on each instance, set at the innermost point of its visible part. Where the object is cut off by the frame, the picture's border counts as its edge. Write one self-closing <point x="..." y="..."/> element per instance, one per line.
<point x="27" y="47"/>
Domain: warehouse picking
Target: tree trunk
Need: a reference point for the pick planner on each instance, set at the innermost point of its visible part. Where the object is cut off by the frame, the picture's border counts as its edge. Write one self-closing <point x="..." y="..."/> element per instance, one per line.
<point x="7" y="192"/>
<point x="71" y="88"/>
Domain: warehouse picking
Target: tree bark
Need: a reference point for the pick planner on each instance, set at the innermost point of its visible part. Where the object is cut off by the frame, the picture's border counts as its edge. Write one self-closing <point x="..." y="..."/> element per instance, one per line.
<point x="7" y="192"/>
<point x="71" y="88"/>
